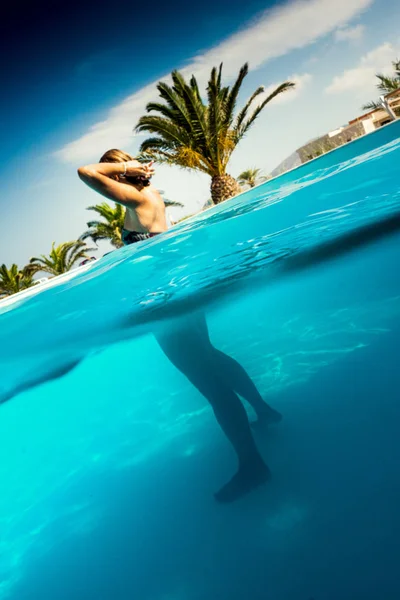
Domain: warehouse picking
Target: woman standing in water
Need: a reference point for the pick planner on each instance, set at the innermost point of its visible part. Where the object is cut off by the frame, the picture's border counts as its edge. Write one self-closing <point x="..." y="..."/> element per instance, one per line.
<point x="217" y="376"/>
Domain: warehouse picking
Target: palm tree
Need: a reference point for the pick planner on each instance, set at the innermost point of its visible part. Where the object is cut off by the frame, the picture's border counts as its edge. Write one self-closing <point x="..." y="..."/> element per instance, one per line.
<point x="114" y="217"/>
<point x="386" y="85"/>
<point x="251" y="177"/>
<point x="199" y="135"/>
<point x="14" y="280"/>
<point x="108" y="229"/>
<point x="61" y="258"/>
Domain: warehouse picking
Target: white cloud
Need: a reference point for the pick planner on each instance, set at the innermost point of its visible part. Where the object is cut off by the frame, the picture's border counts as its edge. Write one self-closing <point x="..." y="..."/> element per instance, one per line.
<point x="362" y="78"/>
<point x="275" y="33"/>
<point x="351" y="34"/>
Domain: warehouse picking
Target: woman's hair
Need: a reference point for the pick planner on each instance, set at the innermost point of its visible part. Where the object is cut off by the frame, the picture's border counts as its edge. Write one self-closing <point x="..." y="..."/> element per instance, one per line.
<point x="115" y="155"/>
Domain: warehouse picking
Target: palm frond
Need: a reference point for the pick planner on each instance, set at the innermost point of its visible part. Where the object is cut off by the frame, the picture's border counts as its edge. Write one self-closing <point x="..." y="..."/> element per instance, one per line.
<point x="174" y="102"/>
<point x="250" y="177"/>
<point x="243" y="113"/>
<point x="387" y="84"/>
<point x="233" y="95"/>
<point x="14" y="279"/>
<point x="60" y="259"/>
<point x="108" y="229"/>
<point x="281" y="89"/>
<point x="172" y="203"/>
<point x="168" y="130"/>
<point x="371" y="106"/>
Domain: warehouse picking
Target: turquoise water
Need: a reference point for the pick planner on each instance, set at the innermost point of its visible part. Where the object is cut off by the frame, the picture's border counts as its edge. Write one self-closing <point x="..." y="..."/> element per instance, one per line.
<point x="108" y="473"/>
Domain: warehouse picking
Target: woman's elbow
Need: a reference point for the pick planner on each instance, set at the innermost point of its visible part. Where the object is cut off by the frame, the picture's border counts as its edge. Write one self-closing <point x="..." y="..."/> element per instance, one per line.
<point x="82" y="172"/>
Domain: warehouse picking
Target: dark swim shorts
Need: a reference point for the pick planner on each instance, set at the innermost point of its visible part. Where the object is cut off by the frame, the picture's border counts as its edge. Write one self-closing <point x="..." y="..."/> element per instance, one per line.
<point x="131" y="237"/>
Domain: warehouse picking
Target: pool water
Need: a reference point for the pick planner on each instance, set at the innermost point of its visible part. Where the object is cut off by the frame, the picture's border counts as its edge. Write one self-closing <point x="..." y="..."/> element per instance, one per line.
<point x="108" y="473"/>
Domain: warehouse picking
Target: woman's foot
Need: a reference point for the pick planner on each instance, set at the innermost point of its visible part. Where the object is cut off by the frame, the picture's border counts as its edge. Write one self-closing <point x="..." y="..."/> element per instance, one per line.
<point x="266" y="416"/>
<point x="249" y="476"/>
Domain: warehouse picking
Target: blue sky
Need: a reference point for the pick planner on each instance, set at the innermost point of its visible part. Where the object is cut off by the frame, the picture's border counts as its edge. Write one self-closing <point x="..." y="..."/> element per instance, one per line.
<point x="78" y="78"/>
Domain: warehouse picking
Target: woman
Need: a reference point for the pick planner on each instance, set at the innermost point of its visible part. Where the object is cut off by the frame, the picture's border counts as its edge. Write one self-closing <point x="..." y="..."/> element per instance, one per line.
<point x="126" y="181"/>
<point x="217" y="376"/>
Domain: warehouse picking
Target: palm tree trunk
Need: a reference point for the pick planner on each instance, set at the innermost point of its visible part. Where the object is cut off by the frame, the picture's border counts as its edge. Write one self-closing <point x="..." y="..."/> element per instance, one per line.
<point x="224" y="187"/>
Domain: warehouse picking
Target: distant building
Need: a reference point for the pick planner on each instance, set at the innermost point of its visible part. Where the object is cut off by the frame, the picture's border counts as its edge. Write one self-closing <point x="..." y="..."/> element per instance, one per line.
<point x="356" y="128"/>
<point x="331" y="140"/>
<point x="379" y="116"/>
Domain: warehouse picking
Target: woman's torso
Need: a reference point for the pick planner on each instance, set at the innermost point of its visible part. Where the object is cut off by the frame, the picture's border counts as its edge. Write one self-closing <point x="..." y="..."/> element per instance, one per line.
<point x="150" y="216"/>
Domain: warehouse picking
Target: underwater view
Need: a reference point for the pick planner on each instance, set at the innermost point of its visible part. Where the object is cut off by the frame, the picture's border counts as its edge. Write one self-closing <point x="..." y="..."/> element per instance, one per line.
<point x="111" y="458"/>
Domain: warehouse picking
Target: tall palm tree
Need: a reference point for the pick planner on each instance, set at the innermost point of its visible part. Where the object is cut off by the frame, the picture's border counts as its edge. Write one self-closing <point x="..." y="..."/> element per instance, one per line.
<point x="111" y="227"/>
<point x="14" y="280"/>
<point x="61" y="258"/>
<point x="386" y="85"/>
<point x="251" y="177"/>
<point x="195" y="134"/>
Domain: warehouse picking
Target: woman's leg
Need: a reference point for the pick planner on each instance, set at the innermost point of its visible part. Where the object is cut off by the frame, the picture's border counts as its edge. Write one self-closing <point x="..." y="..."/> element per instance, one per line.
<point x="186" y="350"/>
<point x="237" y="377"/>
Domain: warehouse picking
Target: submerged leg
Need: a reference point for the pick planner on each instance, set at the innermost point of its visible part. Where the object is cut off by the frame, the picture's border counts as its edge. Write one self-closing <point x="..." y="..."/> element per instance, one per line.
<point x="236" y="375"/>
<point x="184" y="349"/>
